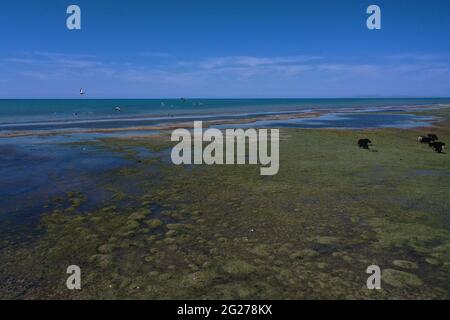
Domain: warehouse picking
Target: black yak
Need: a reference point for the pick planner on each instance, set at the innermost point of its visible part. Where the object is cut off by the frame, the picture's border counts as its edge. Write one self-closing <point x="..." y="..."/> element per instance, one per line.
<point x="424" y="139"/>
<point x="428" y="138"/>
<point x="437" y="146"/>
<point x="364" y="143"/>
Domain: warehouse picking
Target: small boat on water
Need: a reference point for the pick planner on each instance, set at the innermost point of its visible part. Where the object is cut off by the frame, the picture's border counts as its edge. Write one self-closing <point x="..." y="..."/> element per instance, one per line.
<point x="118" y="109"/>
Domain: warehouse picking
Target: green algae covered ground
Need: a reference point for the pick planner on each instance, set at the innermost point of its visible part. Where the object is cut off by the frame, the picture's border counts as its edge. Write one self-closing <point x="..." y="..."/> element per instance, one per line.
<point x="205" y="232"/>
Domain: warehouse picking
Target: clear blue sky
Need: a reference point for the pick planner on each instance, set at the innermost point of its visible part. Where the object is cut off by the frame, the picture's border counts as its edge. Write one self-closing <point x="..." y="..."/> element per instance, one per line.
<point x="226" y="48"/>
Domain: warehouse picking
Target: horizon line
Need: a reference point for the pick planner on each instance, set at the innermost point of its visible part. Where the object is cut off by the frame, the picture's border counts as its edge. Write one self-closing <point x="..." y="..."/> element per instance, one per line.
<point x="240" y="98"/>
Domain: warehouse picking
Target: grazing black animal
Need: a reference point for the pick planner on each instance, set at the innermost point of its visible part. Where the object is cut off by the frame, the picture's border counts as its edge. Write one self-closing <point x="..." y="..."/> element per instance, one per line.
<point x="433" y="137"/>
<point x="364" y="143"/>
<point x="437" y="146"/>
<point x="424" y="139"/>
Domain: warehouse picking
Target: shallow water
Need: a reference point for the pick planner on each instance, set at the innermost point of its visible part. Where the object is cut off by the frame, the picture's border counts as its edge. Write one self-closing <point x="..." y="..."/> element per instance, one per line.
<point x="15" y="111"/>
<point x="76" y="114"/>
<point x="35" y="170"/>
<point x="342" y="121"/>
<point x="32" y="166"/>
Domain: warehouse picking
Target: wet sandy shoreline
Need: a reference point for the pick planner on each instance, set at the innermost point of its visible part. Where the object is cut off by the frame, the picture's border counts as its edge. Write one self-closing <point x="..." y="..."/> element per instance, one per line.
<point x="159" y="127"/>
<point x="419" y="117"/>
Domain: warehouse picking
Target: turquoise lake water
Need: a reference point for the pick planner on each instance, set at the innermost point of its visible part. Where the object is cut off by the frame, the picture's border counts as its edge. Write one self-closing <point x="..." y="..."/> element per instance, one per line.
<point x="25" y="111"/>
